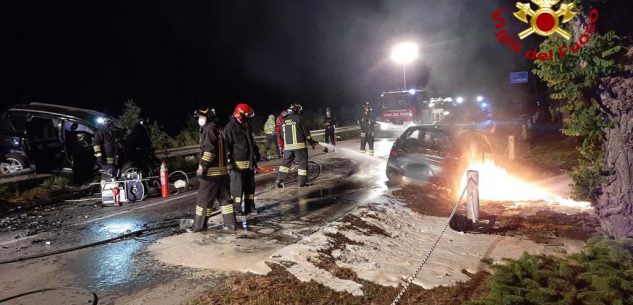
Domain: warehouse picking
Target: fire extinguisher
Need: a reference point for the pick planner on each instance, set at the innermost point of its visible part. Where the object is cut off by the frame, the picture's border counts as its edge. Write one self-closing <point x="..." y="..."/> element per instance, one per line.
<point x="164" y="181"/>
<point x="116" y="194"/>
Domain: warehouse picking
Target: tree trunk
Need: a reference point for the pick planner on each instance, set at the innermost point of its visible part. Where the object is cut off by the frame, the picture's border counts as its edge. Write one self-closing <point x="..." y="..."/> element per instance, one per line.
<point x="614" y="205"/>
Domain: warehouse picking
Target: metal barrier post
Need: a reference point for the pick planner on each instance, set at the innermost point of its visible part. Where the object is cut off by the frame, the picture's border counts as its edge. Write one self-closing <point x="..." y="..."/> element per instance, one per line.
<point x="472" y="195"/>
<point x="511" y="148"/>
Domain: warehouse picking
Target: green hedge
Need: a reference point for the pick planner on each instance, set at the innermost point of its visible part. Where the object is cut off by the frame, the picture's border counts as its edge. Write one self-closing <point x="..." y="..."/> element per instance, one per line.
<point x="601" y="274"/>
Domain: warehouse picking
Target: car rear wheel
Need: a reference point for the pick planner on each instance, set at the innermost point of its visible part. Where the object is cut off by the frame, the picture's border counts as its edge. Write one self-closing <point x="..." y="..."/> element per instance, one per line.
<point x="13" y="163"/>
<point x="394" y="177"/>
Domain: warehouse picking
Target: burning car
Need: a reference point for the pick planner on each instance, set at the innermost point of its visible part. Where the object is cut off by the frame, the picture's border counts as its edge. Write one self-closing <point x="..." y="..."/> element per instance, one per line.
<point x="434" y="153"/>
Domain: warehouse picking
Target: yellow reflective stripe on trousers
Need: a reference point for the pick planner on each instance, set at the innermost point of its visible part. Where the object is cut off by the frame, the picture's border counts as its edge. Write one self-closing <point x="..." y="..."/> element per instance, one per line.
<point x="97" y="148"/>
<point x="110" y="160"/>
<point x="217" y="171"/>
<point x="227" y="209"/>
<point x="243" y="164"/>
<point x="237" y="199"/>
<point x="199" y="211"/>
<point x="250" y="196"/>
<point x="302" y="172"/>
<point x="284" y="169"/>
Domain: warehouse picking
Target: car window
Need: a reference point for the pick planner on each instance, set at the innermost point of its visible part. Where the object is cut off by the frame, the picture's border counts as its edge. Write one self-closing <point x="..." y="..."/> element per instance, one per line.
<point x="41" y="129"/>
<point x="413" y="134"/>
<point x="18" y="121"/>
<point x="436" y="139"/>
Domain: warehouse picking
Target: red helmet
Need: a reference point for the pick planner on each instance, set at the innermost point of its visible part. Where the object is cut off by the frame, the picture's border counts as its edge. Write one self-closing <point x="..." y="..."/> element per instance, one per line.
<point x="243" y="111"/>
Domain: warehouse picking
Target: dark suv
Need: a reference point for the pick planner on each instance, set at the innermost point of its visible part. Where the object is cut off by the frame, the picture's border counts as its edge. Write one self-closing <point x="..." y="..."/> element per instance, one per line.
<point x="47" y="138"/>
<point x="434" y="153"/>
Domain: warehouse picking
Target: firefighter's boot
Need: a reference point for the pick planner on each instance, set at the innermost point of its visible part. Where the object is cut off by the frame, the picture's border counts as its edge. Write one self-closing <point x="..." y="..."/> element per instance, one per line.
<point x="228" y="215"/>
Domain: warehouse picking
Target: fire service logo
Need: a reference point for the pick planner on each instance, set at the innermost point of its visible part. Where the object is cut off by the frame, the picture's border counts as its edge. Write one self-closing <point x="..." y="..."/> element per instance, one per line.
<point x="545" y="21"/>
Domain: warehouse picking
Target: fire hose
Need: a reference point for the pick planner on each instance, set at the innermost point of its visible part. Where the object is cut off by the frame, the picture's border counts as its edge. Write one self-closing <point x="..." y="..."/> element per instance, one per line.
<point x="428" y="254"/>
<point x="95" y="298"/>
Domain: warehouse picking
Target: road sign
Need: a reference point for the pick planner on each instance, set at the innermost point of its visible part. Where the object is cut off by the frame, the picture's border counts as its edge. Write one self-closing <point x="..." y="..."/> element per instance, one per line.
<point x="519" y="77"/>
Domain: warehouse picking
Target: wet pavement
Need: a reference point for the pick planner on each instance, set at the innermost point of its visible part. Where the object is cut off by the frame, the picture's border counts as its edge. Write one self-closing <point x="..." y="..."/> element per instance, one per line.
<point x="124" y="272"/>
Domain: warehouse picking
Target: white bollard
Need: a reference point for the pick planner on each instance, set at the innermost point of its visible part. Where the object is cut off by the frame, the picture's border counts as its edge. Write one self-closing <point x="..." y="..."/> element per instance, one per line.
<point x="511" y="148"/>
<point x="523" y="132"/>
<point x="472" y="190"/>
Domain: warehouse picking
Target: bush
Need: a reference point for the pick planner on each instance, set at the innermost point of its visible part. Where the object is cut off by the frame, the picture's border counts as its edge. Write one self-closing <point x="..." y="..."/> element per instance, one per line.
<point x="601" y="274"/>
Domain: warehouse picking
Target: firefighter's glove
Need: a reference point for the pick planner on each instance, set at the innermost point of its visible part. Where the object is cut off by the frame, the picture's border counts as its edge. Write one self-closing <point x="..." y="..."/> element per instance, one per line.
<point x="200" y="171"/>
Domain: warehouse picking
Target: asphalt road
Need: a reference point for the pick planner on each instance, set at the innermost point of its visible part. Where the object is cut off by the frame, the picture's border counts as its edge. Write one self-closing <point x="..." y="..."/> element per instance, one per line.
<point x="124" y="272"/>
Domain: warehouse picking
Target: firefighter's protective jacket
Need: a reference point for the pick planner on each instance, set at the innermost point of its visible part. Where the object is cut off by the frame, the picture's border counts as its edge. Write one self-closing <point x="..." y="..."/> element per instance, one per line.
<point x="104" y="145"/>
<point x="242" y="150"/>
<point x="329" y="122"/>
<point x="295" y="134"/>
<point x="213" y="158"/>
<point x="367" y="126"/>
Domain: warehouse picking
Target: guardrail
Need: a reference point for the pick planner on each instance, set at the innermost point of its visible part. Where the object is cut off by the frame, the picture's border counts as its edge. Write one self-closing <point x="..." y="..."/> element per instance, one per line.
<point x="195" y="149"/>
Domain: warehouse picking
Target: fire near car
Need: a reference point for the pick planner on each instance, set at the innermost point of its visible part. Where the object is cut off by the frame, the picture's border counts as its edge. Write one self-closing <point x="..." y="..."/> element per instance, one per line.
<point x="46" y="137"/>
<point x="434" y="153"/>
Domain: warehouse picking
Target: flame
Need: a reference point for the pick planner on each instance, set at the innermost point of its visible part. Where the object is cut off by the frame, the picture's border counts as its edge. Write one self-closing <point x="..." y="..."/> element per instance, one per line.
<point x="496" y="184"/>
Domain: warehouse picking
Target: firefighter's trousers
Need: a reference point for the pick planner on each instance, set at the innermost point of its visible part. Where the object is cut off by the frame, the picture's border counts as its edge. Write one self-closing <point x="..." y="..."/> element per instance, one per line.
<point x="330" y="136"/>
<point x="210" y="189"/>
<point x="302" y="160"/>
<point x="367" y="139"/>
<point x="243" y="190"/>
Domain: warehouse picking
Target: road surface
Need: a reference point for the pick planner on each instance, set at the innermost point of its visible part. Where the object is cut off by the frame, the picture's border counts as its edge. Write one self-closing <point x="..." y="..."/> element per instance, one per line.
<point x="127" y="272"/>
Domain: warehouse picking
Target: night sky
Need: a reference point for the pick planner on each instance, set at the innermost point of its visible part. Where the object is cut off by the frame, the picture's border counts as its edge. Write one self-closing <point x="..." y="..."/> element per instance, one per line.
<point x="173" y="56"/>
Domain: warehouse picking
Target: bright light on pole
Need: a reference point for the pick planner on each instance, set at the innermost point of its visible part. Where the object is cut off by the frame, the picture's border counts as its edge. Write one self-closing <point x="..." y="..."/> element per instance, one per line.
<point x="460" y="100"/>
<point x="480" y="98"/>
<point x="404" y="54"/>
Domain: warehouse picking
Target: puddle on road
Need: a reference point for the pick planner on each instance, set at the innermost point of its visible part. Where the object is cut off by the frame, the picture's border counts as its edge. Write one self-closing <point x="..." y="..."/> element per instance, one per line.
<point x="111" y="266"/>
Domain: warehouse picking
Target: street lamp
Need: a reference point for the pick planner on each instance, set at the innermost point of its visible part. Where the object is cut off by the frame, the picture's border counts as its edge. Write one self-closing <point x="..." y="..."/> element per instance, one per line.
<point x="460" y="100"/>
<point x="480" y="98"/>
<point x="404" y="54"/>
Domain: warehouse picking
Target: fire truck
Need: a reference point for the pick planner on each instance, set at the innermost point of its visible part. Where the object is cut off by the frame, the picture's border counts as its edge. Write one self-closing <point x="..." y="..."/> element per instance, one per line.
<point x="400" y="109"/>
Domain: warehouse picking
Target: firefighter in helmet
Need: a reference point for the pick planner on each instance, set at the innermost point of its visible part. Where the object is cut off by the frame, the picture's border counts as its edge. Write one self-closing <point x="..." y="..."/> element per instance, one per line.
<point x="212" y="173"/>
<point x="280" y="140"/>
<point x="296" y="139"/>
<point x="367" y="129"/>
<point x="243" y="155"/>
<point x="105" y="149"/>
<point x="329" y="124"/>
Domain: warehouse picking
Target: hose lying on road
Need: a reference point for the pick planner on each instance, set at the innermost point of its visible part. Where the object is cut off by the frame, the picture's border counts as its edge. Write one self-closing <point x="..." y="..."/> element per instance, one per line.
<point x="96" y="243"/>
<point x="95" y="298"/>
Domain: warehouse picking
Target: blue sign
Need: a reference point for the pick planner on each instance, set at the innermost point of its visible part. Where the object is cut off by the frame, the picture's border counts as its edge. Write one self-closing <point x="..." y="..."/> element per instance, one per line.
<point x="519" y="77"/>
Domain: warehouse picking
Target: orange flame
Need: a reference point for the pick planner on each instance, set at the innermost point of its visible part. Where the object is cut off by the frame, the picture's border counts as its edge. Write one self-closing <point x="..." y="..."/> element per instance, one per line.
<point x="496" y="184"/>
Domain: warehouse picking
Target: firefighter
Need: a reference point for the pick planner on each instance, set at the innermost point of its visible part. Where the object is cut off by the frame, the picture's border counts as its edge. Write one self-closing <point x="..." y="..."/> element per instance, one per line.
<point x="139" y="151"/>
<point x="280" y="139"/>
<point x="105" y="150"/>
<point x="367" y="129"/>
<point x="295" y="136"/>
<point x="213" y="174"/>
<point x="329" y="124"/>
<point x="271" y="136"/>
<point x="243" y="155"/>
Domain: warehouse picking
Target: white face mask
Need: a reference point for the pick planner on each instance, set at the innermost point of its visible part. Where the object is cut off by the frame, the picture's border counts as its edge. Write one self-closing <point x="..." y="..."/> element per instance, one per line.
<point x="202" y="121"/>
